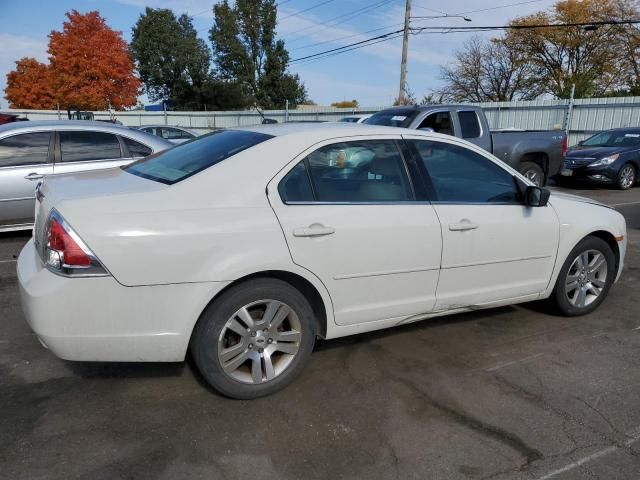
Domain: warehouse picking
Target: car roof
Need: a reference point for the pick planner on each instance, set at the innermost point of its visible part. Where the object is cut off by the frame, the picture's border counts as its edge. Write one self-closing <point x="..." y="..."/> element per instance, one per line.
<point x="84" y="125"/>
<point x="326" y="129"/>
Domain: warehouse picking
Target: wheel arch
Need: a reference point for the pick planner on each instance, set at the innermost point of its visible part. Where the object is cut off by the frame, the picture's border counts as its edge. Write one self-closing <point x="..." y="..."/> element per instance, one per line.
<point x="302" y="284"/>
<point x="539" y="158"/>
<point x="610" y="239"/>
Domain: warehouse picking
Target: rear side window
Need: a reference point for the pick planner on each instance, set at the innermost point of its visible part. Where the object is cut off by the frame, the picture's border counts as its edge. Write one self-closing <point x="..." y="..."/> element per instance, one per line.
<point x="136" y="149"/>
<point x="25" y="149"/>
<point x="460" y="175"/>
<point x="182" y="161"/>
<point x="369" y="171"/>
<point x="295" y="186"/>
<point x="85" y="146"/>
<point x="469" y="124"/>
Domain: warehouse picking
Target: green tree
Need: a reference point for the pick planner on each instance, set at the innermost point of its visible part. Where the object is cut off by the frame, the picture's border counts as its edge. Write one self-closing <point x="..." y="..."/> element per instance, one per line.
<point x="245" y="50"/>
<point x="172" y="61"/>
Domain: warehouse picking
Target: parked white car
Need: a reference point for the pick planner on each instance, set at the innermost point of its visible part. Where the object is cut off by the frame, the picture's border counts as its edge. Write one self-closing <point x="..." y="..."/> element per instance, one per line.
<point x="246" y="245"/>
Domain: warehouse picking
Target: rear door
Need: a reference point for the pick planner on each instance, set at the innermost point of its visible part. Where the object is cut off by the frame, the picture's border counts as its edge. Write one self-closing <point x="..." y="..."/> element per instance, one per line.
<point x="24" y="159"/>
<point x="88" y="150"/>
<point x="351" y="216"/>
<point x="473" y="129"/>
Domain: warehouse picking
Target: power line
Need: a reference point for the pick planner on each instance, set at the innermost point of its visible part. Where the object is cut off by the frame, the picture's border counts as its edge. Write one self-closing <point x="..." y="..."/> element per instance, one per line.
<point x="500" y="6"/>
<point x="295" y="14"/>
<point x="398" y="35"/>
<point x="344" y="38"/>
<point x="385" y="35"/>
<point x="390" y="35"/>
<point x="345" y="17"/>
<point x="526" y="26"/>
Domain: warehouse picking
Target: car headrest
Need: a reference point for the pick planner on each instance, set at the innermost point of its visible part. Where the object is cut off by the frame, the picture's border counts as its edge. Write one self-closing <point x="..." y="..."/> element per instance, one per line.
<point x="383" y="165"/>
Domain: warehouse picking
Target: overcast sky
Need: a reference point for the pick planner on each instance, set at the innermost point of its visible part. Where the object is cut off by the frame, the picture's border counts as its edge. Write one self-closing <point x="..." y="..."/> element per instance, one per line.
<point x="370" y="75"/>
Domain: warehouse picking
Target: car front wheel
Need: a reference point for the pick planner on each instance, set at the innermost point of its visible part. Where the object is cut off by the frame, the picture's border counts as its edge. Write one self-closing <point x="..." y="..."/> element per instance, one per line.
<point x="585" y="278"/>
<point x="626" y="177"/>
<point x="254" y="339"/>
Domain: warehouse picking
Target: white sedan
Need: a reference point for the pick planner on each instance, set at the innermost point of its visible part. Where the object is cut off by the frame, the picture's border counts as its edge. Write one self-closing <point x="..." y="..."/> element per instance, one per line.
<point x="246" y="245"/>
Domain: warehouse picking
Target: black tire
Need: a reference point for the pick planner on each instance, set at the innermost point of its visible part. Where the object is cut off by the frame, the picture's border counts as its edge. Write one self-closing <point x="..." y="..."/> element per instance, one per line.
<point x="623" y="181"/>
<point x="533" y="172"/>
<point x="205" y="344"/>
<point x="559" y="296"/>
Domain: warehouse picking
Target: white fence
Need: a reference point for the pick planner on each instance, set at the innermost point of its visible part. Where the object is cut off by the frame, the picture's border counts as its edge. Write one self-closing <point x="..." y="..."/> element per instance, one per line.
<point x="580" y="118"/>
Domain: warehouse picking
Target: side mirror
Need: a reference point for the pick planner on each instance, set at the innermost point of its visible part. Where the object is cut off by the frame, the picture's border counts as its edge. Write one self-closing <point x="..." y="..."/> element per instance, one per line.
<point x="536" y="196"/>
<point x="581" y="142"/>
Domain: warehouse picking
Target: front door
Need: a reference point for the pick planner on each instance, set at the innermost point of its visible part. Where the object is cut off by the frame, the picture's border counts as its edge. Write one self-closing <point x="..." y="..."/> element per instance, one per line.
<point x="494" y="247"/>
<point x="24" y="160"/>
<point x="349" y="215"/>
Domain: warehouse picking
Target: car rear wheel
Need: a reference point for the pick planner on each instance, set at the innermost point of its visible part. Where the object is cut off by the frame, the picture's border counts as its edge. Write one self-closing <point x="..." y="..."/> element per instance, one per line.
<point x="585" y="278"/>
<point x="254" y="339"/>
<point x="626" y="177"/>
<point x="533" y="172"/>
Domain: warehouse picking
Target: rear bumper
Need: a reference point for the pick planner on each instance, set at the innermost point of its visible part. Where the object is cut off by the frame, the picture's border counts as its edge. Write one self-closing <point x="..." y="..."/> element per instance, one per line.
<point x="98" y="319"/>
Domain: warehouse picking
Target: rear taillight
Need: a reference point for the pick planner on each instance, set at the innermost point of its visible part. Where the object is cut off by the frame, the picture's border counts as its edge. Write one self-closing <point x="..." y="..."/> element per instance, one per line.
<point x="565" y="146"/>
<point x="65" y="252"/>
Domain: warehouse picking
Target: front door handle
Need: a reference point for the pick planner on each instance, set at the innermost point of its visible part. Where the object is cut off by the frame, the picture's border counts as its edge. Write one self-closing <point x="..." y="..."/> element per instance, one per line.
<point x="463" y="225"/>
<point x="313" y="230"/>
<point x="33" y="176"/>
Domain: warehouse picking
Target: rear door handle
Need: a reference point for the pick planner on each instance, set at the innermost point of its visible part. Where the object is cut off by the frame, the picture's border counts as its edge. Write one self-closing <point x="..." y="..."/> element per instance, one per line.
<point x="313" y="230"/>
<point x="33" y="176"/>
<point x="463" y="225"/>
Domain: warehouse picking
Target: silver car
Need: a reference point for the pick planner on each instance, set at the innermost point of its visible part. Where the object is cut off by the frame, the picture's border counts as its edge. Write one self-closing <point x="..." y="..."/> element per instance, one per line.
<point x="173" y="134"/>
<point x="30" y="150"/>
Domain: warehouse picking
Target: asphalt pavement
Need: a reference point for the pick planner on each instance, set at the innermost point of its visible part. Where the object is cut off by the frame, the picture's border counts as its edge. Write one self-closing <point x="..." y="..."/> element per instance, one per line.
<point x="509" y="393"/>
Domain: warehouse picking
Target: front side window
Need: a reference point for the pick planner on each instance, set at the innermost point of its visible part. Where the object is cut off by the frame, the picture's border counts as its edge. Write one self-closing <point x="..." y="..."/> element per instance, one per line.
<point x="439" y="122"/>
<point x="460" y="175"/>
<point x="469" y="124"/>
<point x="25" y="149"/>
<point x="351" y="172"/>
<point x="85" y="146"/>
<point x="182" y="161"/>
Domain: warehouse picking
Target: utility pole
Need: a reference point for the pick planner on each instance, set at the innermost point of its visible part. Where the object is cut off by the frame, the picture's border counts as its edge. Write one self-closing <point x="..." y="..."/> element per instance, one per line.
<point x="405" y="47"/>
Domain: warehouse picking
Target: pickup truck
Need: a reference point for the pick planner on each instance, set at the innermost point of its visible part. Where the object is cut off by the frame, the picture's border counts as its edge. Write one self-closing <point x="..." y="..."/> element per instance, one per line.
<point x="538" y="155"/>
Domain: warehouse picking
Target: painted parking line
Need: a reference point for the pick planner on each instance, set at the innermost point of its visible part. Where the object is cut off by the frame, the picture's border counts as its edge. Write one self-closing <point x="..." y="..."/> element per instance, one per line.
<point x="635" y="437"/>
<point x="13" y="260"/>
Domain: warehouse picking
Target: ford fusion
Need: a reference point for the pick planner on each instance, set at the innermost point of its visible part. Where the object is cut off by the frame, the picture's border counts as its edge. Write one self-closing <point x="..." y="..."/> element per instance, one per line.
<point x="245" y="246"/>
<point x="610" y="157"/>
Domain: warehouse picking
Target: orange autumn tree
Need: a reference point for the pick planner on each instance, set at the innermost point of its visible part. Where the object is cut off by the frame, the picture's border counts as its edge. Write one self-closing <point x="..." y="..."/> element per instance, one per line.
<point x="90" y="67"/>
<point x="29" y="86"/>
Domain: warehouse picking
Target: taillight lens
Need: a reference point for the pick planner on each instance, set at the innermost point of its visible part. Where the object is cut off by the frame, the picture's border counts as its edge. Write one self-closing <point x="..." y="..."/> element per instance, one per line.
<point x="65" y="252"/>
<point x="565" y="146"/>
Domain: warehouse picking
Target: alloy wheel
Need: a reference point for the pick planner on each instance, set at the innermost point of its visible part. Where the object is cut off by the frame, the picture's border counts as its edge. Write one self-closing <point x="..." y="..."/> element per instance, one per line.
<point x="533" y="177"/>
<point x="259" y="341"/>
<point x="586" y="278"/>
<point x="627" y="177"/>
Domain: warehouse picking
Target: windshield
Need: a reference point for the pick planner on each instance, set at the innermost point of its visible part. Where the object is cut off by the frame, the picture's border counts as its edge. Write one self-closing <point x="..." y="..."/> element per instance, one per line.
<point x="614" y="139"/>
<point x="395" y="117"/>
<point x="182" y="161"/>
